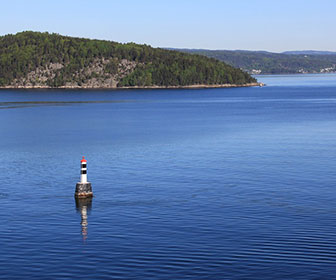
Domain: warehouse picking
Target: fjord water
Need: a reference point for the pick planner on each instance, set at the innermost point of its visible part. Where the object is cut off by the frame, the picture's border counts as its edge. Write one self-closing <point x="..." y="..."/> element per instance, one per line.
<point x="189" y="184"/>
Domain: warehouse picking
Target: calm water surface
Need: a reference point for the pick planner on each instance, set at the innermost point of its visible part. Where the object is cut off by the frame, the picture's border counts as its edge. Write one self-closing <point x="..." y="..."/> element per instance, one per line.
<point x="189" y="184"/>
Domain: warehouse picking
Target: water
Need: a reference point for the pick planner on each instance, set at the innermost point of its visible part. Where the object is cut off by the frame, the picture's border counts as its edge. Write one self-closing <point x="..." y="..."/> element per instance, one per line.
<point x="189" y="184"/>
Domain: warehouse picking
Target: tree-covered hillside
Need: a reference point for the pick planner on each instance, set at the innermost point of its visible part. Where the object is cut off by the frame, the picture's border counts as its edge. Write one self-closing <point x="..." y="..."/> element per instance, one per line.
<point x="258" y="62"/>
<point x="43" y="59"/>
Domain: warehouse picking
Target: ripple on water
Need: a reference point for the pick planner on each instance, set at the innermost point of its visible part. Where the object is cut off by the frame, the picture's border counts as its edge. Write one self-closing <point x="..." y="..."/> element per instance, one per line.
<point x="222" y="184"/>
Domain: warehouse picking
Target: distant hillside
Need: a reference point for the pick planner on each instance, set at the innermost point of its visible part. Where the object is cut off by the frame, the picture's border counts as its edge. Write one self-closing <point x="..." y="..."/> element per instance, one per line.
<point x="309" y="52"/>
<point x="33" y="59"/>
<point x="261" y="62"/>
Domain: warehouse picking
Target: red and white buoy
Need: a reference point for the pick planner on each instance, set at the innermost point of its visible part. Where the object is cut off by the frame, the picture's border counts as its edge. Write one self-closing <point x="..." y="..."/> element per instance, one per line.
<point x="83" y="178"/>
<point x="83" y="188"/>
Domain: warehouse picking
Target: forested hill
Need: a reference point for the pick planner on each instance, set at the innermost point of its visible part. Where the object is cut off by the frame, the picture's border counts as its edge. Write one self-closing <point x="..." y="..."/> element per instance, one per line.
<point x="34" y="59"/>
<point x="260" y="62"/>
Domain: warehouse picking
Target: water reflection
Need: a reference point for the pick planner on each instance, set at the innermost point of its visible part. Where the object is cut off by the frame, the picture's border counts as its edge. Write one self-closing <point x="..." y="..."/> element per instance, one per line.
<point x="25" y="104"/>
<point x="83" y="206"/>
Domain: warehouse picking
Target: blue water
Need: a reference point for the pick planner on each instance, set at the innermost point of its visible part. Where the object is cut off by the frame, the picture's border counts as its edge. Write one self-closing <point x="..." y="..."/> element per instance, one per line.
<point x="189" y="184"/>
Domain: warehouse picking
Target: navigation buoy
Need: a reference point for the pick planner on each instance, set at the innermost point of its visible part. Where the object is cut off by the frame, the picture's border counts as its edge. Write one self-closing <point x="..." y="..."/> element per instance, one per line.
<point x="83" y="188"/>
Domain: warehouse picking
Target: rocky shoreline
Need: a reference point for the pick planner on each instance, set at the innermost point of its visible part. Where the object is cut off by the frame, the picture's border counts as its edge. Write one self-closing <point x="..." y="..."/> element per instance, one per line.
<point x="138" y="87"/>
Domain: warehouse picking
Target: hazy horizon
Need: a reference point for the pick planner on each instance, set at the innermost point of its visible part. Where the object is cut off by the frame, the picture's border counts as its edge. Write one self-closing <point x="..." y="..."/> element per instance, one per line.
<point x="181" y="48"/>
<point x="257" y="25"/>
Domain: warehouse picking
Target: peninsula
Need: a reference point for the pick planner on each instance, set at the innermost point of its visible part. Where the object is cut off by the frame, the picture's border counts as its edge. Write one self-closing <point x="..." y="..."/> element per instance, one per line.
<point x="43" y="60"/>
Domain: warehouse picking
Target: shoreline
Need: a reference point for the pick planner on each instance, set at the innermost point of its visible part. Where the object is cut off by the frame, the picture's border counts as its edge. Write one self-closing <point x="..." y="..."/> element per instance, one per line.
<point x="141" y="87"/>
<point x="293" y="74"/>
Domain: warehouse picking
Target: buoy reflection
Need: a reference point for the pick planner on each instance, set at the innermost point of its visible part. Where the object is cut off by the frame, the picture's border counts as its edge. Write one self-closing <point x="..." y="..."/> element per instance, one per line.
<point x="83" y="206"/>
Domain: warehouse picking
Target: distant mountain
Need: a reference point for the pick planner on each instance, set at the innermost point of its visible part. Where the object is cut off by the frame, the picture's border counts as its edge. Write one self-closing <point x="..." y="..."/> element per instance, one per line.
<point x="308" y="52"/>
<point x="34" y="59"/>
<point x="263" y="62"/>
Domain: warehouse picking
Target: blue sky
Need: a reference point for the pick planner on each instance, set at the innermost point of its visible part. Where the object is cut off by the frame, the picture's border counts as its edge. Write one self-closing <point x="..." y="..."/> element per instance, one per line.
<point x="273" y="25"/>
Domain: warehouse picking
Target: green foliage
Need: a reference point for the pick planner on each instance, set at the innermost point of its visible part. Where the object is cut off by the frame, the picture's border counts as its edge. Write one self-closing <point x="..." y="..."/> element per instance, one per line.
<point x="170" y="68"/>
<point x="26" y="51"/>
<point x="112" y="67"/>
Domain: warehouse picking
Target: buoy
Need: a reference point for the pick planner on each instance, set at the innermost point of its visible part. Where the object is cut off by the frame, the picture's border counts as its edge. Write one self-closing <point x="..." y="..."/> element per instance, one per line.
<point x="83" y="188"/>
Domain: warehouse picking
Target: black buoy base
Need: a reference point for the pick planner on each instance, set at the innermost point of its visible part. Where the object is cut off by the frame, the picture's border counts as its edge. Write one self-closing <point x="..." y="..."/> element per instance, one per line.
<point x="83" y="190"/>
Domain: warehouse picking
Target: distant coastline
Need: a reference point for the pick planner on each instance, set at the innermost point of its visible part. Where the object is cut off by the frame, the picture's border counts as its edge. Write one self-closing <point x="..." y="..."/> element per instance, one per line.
<point x="140" y="87"/>
<point x="293" y="74"/>
<point x="264" y="63"/>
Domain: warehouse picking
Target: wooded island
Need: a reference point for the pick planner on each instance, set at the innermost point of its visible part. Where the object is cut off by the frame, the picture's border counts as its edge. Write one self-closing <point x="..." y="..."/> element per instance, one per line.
<point x="43" y="60"/>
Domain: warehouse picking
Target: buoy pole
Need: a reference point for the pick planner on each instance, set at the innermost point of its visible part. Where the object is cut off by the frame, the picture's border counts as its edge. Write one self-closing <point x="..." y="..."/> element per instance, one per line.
<point x="83" y="188"/>
<point x="83" y="178"/>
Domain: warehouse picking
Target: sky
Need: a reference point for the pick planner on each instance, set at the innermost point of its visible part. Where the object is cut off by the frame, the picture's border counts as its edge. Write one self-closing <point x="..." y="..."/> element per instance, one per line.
<point x="271" y="25"/>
